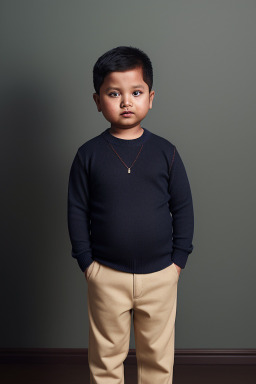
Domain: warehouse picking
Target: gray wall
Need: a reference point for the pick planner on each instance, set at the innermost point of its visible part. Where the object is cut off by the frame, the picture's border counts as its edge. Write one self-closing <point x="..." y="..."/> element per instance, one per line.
<point x="204" y="60"/>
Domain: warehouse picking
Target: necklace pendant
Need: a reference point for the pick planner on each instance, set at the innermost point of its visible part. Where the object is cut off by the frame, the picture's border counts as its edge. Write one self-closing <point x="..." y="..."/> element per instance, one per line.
<point x="129" y="170"/>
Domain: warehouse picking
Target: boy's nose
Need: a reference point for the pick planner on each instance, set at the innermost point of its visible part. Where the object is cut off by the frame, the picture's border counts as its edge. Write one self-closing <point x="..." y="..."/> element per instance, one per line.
<point x="125" y="102"/>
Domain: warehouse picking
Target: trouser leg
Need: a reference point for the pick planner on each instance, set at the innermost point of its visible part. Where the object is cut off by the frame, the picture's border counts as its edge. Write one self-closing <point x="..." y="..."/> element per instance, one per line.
<point x="109" y="309"/>
<point x="155" y="301"/>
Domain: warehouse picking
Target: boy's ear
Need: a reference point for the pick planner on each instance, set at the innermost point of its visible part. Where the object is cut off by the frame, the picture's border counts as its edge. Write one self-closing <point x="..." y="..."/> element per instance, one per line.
<point x="96" y="98"/>
<point x="151" y="97"/>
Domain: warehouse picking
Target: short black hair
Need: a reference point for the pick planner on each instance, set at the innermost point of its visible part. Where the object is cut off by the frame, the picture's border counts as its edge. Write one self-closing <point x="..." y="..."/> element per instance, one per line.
<point x="121" y="59"/>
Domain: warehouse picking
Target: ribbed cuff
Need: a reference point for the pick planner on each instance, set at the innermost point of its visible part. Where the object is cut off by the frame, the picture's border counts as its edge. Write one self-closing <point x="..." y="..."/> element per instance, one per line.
<point x="180" y="258"/>
<point x="84" y="260"/>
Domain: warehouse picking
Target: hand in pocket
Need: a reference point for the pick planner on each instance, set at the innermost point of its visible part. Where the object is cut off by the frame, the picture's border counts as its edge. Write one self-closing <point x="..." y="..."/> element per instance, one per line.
<point x="178" y="268"/>
<point x="88" y="270"/>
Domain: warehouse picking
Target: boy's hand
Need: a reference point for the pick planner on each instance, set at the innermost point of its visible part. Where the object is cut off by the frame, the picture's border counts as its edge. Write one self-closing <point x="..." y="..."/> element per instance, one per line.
<point x="178" y="268"/>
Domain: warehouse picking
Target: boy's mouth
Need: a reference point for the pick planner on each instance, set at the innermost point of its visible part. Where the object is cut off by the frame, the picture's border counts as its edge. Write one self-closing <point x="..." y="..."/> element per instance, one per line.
<point x="127" y="113"/>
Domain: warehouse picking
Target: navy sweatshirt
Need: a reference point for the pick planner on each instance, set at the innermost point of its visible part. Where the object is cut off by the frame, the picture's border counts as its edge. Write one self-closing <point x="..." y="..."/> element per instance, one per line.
<point x="137" y="221"/>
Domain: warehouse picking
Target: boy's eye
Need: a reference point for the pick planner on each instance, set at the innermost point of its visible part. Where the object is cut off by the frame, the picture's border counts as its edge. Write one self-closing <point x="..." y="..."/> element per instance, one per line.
<point x="113" y="94"/>
<point x="137" y="93"/>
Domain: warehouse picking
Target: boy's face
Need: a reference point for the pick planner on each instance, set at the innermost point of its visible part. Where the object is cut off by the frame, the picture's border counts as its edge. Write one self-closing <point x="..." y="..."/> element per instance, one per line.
<point x="124" y="92"/>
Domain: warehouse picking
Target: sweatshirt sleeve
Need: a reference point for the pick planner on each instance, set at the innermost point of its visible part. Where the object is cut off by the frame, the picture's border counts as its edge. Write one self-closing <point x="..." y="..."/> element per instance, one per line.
<point x="79" y="213"/>
<point x="181" y="208"/>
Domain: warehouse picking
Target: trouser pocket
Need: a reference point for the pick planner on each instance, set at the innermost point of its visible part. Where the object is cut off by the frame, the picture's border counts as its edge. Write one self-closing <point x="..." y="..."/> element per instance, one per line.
<point x="89" y="270"/>
<point x="176" y="271"/>
<point x="95" y="266"/>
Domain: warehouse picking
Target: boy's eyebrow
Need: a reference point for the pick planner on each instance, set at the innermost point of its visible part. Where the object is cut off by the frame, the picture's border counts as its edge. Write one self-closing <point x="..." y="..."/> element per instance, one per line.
<point x="134" y="86"/>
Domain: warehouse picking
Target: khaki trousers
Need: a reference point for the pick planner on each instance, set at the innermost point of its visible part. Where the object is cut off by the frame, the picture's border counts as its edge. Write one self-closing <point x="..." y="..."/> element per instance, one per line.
<point x="112" y="297"/>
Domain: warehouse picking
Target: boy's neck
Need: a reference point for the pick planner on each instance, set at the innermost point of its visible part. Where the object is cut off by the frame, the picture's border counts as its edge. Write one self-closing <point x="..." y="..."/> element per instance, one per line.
<point x="127" y="133"/>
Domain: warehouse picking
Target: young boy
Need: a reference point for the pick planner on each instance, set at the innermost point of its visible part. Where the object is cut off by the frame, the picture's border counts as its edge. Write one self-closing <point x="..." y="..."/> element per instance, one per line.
<point x="131" y="223"/>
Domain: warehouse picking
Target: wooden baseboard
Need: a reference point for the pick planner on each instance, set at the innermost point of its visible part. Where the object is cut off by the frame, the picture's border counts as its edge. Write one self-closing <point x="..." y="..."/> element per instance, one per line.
<point x="80" y="356"/>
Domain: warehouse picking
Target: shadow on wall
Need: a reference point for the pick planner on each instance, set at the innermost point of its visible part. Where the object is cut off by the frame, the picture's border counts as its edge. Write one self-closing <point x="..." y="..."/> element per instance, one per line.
<point x="30" y="193"/>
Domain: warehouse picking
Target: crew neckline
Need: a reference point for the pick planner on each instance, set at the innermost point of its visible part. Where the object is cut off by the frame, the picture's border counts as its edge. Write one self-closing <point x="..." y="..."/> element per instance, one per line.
<point x="126" y="142"/>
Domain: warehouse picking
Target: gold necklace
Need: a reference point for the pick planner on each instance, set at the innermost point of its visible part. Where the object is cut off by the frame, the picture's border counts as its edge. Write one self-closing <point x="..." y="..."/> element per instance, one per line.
<point x="129" y="168"/>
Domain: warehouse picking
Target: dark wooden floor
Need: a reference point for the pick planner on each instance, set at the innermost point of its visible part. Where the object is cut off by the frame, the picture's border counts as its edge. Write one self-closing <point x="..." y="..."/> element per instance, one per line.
<point x="79" y="374"/>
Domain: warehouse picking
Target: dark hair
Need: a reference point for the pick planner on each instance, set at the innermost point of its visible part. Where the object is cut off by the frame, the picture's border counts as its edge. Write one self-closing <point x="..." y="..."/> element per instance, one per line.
<point x="121" y="59"/>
